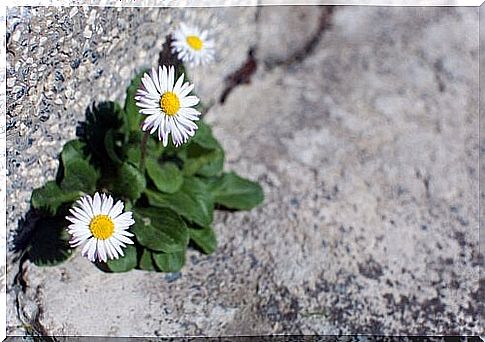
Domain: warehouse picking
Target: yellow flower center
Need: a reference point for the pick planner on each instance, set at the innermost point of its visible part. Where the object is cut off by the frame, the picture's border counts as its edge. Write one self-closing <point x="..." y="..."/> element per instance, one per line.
<point x="102" y="227"/>
<point x="194" y="42"/>
<point x="170" y="103"/>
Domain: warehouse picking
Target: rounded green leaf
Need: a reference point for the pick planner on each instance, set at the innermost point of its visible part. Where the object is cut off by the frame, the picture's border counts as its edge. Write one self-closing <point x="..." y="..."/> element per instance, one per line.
<point x="214" y="166"/>
<point x="193" y="201"/>
<point x="146" y="261"/>
<point x="130" y="182"/>
<point x="235" y="192"/>
<point x="204" y="238"/>
<point x="169" y="262"/>
<point x="124" y="263"/>
<point x="73" y="150"/>
<point x="167" y="177"/>
<point x="160" y="229"/>
<point x="204" y="137"/>
<point x="79" y="175"/>
<point x="51" y="196"/>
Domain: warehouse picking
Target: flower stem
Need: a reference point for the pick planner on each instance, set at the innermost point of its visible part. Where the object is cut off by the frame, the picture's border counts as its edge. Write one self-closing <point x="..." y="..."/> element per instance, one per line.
<point x="143" y="147"/>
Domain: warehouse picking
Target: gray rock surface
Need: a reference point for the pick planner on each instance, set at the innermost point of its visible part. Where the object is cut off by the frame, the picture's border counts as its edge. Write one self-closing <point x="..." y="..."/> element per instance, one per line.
<point x="367" y="149"/>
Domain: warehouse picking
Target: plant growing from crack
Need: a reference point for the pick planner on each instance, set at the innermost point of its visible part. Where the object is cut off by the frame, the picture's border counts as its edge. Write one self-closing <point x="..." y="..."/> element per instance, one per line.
<point x="139" y="199"/>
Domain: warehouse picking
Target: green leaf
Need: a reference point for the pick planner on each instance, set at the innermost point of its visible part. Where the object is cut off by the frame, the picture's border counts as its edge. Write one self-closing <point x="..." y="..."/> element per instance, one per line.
<point x="132" y="115"/>
<point x="214" y="165"/>
<point x="133" y="154"/>
<point x="205" y="238"/>
<point x="124" y="263"/>
<point x="79" y="175"/>
<point x="204" y="137"/>
<point x="198" y="157"/>
<point x="160" y="229"/>
<point x="99" y="120"/>
<point x="51" y="196"/>
<point x="193" y="201"/>
<point x="146" y="261"/>
<point x="203" y="155"/>
<point x="235" y="192"/>
<point x="130" y="182"/>
<point x="154" y="147"/>
<point x="109" y="144"/>
<point x="167" y="176"/>
<point x="169" y="262"/>
<point x="73" y="150"/>
<point x="132" y="149"/>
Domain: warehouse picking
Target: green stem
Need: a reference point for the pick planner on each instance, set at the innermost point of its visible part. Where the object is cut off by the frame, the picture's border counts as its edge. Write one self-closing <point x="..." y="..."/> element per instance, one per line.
<point x="143" y="147"/>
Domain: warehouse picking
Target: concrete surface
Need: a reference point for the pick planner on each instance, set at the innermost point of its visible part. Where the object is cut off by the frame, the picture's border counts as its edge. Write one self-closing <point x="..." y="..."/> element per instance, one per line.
<point x="367" y="148"/>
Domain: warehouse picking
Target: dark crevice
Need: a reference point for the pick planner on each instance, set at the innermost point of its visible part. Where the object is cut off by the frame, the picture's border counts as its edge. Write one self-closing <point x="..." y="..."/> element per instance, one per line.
<point x="324" y="24"/>
<point x="244" y="73"/>
<point x="33" y="326"/>
<point x="240" y="76"/>
<point x="439" y="71"/>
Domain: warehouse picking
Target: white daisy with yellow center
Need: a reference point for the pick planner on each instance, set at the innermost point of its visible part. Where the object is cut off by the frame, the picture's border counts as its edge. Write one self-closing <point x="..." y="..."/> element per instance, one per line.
<point x="192" y="46"/>
<point x="102" y="225"/>
<point x="167" y="105"/>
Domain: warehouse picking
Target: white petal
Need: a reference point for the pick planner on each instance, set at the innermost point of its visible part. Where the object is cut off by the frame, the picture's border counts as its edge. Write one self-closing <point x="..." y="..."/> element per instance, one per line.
<point x="189" y="101"/>
<point x="189" y="113"/>
<point x="97" y="204"/>
<point x="124" y="219"/>
<point x="112" y="254"/>
<point x="122" y="238"/>
<point x="81" y="213"/>
<point x="86" y="205"/>
<point x="107" y="205"/>
<point x="186" y="89"/>
<point x="155" y="80"/>
<point x="145" y="105"/>
<point x="171" y="78"/>
<point x="164" y="79"/>
<point x="116" y="210"/>
<point x="116" y="246"/>
<point x="124" y="232"/>
<point x="148" y="83"/>
<point x="101" y="250"/>
<point x="86" y="247"/>
<point x="178" y="84"/>
<point x="160" y="81"/>
<point x="151" y="111"/>
<point x="186" y="122"/>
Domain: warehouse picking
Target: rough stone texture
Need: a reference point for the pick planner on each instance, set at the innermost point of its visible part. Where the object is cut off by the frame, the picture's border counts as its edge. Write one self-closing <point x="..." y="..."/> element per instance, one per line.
<point x="276" y="43"/>
<point x="367" y="150"/>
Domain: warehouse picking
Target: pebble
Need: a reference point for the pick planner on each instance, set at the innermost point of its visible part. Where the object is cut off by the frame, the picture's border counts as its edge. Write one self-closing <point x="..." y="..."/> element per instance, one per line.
<point x="73" y="12"/>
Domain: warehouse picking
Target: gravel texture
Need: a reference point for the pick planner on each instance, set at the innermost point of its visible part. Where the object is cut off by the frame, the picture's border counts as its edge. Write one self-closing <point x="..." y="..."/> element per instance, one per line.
<point x="359" y="122"/>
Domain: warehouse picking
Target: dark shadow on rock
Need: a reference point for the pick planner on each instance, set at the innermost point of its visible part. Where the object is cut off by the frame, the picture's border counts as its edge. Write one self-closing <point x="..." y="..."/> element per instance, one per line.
<point x="166" y="57"/>
<point x="102" y="267"/>
<point x="43" y="238"/>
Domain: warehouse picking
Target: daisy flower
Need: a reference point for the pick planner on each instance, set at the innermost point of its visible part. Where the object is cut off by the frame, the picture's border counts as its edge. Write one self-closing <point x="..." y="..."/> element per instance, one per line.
<point x="102" y="225"/>
<point x="167" y="105"/>
<point x="192" y="46"/>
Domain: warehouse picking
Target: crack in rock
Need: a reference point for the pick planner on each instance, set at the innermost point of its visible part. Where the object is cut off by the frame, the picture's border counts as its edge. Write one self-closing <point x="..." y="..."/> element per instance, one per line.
<point x="324" y="23"/>
<point x="240" y="76"/>
<point x="30" y="320"/>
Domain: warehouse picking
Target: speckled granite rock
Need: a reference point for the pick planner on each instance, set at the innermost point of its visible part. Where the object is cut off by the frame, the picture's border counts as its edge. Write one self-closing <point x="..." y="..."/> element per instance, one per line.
<point x="367" y="150"/>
